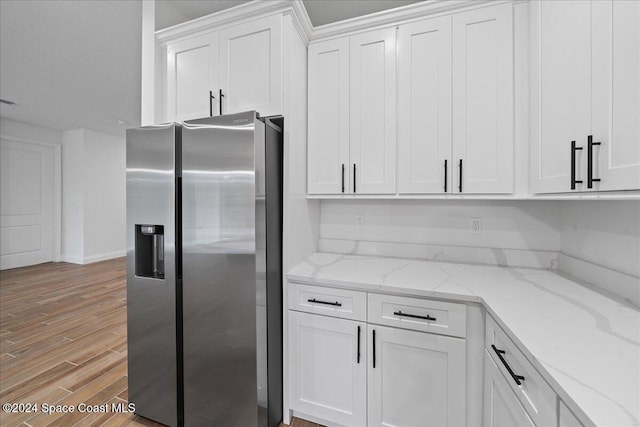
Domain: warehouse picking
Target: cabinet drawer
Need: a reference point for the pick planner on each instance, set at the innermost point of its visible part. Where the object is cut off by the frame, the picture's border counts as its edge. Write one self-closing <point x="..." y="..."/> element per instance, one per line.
<point x="418" y="314"/>
<point x="328" y="301"/>
<point x="537" y="397"/>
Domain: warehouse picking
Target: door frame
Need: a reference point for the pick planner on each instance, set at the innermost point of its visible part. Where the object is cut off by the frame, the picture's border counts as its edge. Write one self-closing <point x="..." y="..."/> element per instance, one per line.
<point x="57" y="189"/>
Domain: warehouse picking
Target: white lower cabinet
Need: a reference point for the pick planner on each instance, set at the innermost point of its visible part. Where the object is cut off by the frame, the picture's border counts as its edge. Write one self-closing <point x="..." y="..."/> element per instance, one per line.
<point x="328" y="374"/>
<point x="501" y="406"/>
<point x="415" y="378"/>
<point x="344" y="371"/>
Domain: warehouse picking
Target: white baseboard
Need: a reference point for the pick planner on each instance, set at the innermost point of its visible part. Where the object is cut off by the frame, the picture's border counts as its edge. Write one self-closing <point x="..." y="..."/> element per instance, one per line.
<point x="71" y="259"/>
<point x="104" y="256"/>
<point x="93" y="258"/>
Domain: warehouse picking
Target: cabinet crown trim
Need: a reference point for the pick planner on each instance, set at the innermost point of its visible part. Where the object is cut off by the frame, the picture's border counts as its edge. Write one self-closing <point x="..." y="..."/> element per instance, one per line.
<point x="243" y="12"/>
<point x="403" y="14"/>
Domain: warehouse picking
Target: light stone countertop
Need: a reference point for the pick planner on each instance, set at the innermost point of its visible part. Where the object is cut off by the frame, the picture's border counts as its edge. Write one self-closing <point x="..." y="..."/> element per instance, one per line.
<point x="585" y="344"/>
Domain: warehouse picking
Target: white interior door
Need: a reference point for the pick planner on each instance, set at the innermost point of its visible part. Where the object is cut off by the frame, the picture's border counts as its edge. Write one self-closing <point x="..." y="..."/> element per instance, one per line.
<point x="616" y="95"/>
<point x="424" y="106"/>
<point x="418" y="378"/>
<point x="26" y="204"/>
<point x="251" y="66"/>
<point x="483" y="136"/>
<point x="192" y="76"/>
<point x="373" y="112"/>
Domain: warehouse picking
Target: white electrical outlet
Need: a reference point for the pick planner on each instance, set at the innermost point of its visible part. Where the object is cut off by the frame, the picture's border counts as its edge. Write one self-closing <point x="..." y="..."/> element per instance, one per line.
<point x="476" y="225"/>
<point x="359" y="221"/>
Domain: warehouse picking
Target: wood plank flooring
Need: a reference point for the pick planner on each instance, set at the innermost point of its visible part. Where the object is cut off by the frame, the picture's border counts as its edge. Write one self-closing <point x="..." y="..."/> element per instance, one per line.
<point x="63" y="341"/>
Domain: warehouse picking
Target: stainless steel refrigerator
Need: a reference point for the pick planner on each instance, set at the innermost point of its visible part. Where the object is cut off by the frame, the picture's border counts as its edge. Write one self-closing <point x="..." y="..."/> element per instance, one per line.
<point x="204" y="271"/>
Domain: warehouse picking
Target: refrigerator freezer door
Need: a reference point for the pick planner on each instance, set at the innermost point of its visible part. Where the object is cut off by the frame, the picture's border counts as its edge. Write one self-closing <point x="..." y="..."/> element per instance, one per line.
<point x="151" y="271"/>
<point x="219" y="260"/>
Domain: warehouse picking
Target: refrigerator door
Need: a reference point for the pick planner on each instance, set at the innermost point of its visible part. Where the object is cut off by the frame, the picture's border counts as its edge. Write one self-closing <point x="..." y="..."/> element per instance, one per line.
<point x="151" y="271"/>
<point x="219" y="264"/>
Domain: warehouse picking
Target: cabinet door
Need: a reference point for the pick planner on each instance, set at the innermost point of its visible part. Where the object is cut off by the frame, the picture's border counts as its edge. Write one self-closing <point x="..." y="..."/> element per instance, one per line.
<point x="424" y="106"/>
<point x="327" y="370"/>
<point x="616" y="94"/>
<point x="328" y="155"/>
<point x="561" y="92"/>
<point x="415" y="378"/>
<point x="373" y="112"/>
<point x="192" y="72"/>
<point x="483" y="100"/>
<point x="251" y="66"/>
<point x="501" y="406"/>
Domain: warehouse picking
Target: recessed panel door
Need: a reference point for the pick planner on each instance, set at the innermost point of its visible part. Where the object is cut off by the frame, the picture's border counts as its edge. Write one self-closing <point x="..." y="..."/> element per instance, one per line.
<point x="424" y="107"/>
<point x="483" y="136"/>
<point x="251" y="67"/>
<point x="26" y="222"/>
<point x="192" y="78"/>
<point x="415" y="378"/>
<point x="373" y="112"/>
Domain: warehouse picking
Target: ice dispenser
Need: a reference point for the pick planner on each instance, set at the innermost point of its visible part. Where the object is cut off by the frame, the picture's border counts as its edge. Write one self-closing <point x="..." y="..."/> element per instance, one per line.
<point x="150" y="251"/>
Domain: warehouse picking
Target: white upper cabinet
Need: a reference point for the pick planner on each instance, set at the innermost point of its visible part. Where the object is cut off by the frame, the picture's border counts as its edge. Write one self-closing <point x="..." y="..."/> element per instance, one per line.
<point x="373" y="112"/>
<point x="328" y="155"/>
<point x="585" y="86"/>
<point x="616" y="95"/>
<point x="242" y="62"/>
<point x="562" y="93"/>
<point x="424" y="107"/>
<point x="251" y="66"/>
<point x="352" y="114"/>
<point x="483" y="100"/>
<point x="192" y="73"/>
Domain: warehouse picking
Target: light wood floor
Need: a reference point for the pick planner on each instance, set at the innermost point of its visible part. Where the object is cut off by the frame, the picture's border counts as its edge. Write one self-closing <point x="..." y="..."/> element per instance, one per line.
<point x="63" y="341"/>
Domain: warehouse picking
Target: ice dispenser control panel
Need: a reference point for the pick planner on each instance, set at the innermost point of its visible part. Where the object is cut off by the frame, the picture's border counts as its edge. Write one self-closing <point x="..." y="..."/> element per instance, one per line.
<point x="149" y="251"/>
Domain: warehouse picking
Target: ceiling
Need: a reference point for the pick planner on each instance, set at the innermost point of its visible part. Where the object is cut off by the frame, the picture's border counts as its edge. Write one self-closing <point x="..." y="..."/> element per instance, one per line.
<point x="71" y="64"/>
<point x="321" y="12"/>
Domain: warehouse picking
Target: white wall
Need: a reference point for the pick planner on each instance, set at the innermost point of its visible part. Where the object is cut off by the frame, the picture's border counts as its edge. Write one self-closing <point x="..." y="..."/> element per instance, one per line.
<point x="604" y="233"/>
<point x="530" y="225"/>
<point x="73" y="196"/>
<point x="93" y="196"/>
<point x="105" y="196"/>
<point x="29" y="132"/>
